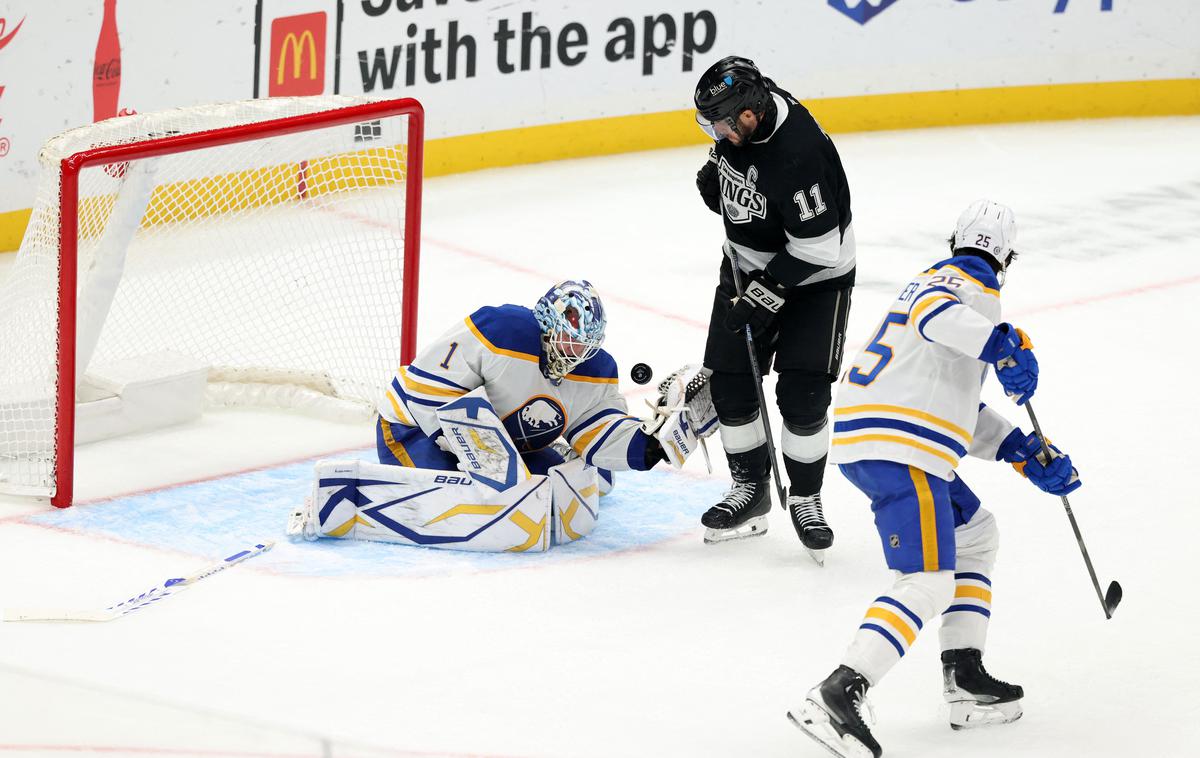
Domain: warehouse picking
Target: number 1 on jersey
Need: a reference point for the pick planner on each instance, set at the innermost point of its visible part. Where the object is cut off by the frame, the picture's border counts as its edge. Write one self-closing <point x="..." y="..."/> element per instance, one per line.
<point x="446" y="362"/>
<point x="878" y="348"/>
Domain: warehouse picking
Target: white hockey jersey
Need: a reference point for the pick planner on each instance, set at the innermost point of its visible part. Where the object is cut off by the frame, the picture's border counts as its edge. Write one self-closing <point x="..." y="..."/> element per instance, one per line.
<point x="912" y="394"/>
<point x="499" y="348"/>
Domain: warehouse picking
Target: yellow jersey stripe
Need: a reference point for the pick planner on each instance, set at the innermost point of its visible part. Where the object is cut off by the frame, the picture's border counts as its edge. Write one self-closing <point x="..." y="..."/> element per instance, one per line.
<point x="430" y="389"/>
<point x="400" y="414"/>
<point x="902" y="411"/>
<point x="987" y="290"/>
<point x="929" y="546"/>
<point x="970" y="590"/>
<point x="899" y="441"/>
<point x="497" y="350"/>
<point x="593" y="379"/>
<point x="875" y="612"/>
<point x="583" y="440"/>
<point x="396" y="448"/>
<point x="924" y="303"/>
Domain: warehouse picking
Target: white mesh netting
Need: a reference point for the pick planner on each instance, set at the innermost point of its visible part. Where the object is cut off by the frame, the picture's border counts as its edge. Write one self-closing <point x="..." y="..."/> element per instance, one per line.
<point x="274" y="260"/>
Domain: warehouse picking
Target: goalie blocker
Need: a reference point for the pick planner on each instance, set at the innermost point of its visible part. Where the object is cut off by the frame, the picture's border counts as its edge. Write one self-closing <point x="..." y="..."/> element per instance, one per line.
<point x="493" y="503"/>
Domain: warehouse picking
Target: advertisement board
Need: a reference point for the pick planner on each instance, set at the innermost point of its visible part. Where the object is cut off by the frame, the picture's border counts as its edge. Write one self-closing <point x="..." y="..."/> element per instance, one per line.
<point x="509" y="81"/>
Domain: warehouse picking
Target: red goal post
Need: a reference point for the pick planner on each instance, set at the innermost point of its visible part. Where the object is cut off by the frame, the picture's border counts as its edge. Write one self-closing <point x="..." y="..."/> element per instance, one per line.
<point x="321" y="206"/>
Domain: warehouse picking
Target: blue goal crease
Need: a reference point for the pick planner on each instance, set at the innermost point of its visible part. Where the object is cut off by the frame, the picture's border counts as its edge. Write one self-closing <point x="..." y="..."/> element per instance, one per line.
<point x="212" y="517"/>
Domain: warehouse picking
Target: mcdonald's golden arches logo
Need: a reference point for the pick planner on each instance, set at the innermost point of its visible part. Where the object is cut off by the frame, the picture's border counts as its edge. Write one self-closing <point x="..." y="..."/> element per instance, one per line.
<point x="297" y="63"/>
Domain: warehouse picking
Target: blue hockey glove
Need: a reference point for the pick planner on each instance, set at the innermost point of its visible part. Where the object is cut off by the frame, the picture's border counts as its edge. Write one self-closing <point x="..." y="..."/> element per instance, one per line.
<point x="1056" y="476"/>
<point x="1011" y="352"/>
<point x="758" y="306"/>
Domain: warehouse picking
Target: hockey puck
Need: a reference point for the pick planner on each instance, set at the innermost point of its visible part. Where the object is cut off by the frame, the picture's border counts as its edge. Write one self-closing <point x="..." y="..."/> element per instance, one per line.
<point x="641" y="373"/>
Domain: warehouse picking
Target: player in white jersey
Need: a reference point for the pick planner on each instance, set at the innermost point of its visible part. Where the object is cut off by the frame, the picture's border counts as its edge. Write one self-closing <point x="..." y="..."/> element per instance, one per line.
<point x="906" y="412"/>
<point x="495" y="396"/>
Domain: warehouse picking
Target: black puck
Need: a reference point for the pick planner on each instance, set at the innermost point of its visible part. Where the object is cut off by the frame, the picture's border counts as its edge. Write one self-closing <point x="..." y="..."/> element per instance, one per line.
<point x="641" y="373"/>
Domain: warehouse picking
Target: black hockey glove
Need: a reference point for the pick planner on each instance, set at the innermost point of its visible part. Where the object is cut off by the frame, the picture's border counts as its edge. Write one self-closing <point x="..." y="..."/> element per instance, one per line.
<point x="758" y="306"/>
<point x="709" y="183"/>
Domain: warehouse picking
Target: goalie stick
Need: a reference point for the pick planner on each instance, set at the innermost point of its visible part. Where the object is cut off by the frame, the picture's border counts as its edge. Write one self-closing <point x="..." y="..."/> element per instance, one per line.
<point x="152" y="595"/>
<point x="1109" y="599"/>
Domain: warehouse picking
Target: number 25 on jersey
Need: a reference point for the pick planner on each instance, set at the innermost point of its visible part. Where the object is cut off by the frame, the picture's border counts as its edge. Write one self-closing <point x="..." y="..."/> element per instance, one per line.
<point x="877" y="347"/>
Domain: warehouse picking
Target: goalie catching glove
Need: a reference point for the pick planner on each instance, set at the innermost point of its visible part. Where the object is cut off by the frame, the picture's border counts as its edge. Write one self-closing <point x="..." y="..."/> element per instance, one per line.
<point x="683" y="413"/>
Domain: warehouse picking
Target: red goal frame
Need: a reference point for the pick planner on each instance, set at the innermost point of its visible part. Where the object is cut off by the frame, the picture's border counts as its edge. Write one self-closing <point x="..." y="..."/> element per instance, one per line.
<point x="64" y="463"/>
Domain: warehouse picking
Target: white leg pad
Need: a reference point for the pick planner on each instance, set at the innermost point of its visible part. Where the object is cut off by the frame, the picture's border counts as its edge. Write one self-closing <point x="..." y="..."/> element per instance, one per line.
<point x="575" y="493"/>
<point x="965" y="621"/>
<point x="443" y="509"/>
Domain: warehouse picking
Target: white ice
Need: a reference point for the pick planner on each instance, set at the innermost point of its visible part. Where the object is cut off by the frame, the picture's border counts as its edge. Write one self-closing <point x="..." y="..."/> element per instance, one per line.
<point x="647" y="642"/>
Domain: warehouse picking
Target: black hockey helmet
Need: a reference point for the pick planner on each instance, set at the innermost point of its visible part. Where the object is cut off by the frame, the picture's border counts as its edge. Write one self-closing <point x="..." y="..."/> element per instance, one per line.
<point x="730" y="86"/>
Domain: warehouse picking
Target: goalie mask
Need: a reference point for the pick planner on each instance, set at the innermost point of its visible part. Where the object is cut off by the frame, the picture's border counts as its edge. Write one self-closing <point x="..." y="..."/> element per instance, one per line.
<point x="989" y="228"/>
<point x="572" y="321"/>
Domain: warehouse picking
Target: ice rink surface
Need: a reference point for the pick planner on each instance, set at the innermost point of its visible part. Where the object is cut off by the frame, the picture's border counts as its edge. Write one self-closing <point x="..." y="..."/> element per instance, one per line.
<point x="641" y="640"/>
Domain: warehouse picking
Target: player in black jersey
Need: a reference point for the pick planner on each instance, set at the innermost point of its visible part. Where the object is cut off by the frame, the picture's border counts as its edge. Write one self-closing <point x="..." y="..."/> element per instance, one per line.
<point x="776" y="179"/>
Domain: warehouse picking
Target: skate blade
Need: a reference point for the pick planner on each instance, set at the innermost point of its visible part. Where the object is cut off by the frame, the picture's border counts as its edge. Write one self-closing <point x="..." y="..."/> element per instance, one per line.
<point x="754" y="527"/>
<point x="817" y="555"/>
<point x="813" y="720"/>
<point x="970" y="714"/>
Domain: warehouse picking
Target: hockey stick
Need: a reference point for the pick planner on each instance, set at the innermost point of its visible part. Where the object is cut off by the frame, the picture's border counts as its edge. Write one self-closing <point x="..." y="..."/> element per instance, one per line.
<point x="153" y="595"/>
<point x="1112" y="597"/>
<point x="762" y="398"/>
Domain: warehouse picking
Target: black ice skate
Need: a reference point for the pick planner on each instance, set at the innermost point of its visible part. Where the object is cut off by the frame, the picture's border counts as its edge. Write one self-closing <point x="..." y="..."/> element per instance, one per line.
<point x="975" y="697"/>
<point x="808" y="518"/>
<point x="832" y="715"/>
<point x="741" y="513"/>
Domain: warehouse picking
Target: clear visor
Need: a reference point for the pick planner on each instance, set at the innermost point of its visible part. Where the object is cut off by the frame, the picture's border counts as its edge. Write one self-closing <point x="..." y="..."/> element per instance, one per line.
<point x="717" y="130"/>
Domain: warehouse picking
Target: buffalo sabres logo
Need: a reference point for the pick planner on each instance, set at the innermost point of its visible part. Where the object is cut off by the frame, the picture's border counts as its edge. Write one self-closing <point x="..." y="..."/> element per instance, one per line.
<point x="536" y="424"/>
<point x="742" y="200"/>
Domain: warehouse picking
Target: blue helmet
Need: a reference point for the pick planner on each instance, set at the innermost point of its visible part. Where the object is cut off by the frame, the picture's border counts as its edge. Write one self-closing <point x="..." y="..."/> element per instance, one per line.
<point x="572" y="320"/>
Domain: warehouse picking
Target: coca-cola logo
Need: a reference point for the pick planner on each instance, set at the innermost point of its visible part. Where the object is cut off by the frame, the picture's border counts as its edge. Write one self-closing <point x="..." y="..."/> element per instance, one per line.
<point x="6" y="38"/>
<point x="108" y="70"/>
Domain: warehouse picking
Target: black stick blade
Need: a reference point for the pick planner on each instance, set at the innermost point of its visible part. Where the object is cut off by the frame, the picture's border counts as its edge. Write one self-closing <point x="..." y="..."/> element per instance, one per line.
<point x="1112" y="598"/>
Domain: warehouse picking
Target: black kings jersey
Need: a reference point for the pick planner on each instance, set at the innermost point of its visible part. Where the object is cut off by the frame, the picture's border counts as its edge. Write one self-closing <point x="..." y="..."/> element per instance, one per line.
<point x="786" y="202"/>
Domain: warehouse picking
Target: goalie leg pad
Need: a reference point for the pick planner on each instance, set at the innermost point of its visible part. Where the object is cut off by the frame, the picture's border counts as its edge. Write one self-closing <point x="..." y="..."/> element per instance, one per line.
<point x="369" y="501"/>
<point x="575" y="491"/>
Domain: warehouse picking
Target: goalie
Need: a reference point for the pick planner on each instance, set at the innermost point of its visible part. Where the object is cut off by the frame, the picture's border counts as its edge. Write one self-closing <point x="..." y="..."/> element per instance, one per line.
<point x="502" y="434"/>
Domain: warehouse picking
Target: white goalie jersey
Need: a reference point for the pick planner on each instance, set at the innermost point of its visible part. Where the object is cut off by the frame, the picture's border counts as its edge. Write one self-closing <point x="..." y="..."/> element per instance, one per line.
<point x="498" y="348"/>
<point x="912" y="394"/>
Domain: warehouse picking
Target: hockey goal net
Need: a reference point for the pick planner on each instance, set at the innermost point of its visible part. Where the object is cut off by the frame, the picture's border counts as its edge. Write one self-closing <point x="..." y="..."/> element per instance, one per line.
<point x="271" y="243"/>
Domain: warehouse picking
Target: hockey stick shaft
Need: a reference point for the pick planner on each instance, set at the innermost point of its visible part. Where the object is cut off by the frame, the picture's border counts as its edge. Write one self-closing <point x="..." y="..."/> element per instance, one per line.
<point x="1108" y="605"/>
<point x="153" y="595"/>
<point x="758" y="384"/>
